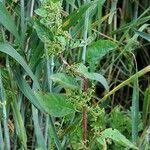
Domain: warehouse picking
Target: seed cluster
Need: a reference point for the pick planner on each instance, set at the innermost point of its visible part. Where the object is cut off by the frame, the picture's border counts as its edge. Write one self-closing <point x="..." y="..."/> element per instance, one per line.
<point x="51" y="22"/>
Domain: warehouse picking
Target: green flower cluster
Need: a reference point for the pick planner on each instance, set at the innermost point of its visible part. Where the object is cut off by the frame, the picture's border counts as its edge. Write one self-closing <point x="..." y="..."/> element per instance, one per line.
<point x="49" y="28"/>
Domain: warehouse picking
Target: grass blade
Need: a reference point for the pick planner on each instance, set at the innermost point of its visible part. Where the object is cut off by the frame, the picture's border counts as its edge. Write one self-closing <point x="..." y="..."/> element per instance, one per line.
<point x="1" y="138"/>
<point x="135" y="111"/>
<point x="7" y="21"/>
<point x="7" y="49"/>
<point x="5" y="119"/>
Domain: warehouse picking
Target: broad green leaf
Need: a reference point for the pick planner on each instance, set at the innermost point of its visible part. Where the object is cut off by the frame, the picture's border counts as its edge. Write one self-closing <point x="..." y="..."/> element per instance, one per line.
<point x="116" y="136"/>
<point x="72" y="19"/>
<point x="7" y="21"/>
<point x="144" y="35"/>
<point x="56" y="105"/>
<point x="83" y="70"/>
<point x="43" y="32"/>
<point x="42" y="12"/>
<point x="97" y="50"/>
<point x="65" y="80"/>
<point x="7" y="49"/>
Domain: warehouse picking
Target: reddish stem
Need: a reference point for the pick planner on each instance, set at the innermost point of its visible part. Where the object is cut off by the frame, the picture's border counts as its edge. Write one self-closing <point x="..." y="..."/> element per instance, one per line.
<point x="85" y="126"/>
<point x="85" y="88"/>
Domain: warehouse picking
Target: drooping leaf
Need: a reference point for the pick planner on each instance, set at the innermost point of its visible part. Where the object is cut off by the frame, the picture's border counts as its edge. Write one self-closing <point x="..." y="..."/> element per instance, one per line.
<point x="8" y="49"/>
<point x="56" y="105"/>
<point x="144" y="35"/>
<point x="7" y="21"/>
<point x="117" y="137"/>
<point x="83" y="70"/>
<point x="65" y="80"/>
<point x="97" y="50"/>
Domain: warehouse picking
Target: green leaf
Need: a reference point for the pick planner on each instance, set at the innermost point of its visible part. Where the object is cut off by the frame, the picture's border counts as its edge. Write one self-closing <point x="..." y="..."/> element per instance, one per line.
<point x="42" y="12"/>
<point x="144" y="35"/>
<point x="43" y="32"/>
<point x="27" y="91"/>
<point x="97" y="50"/>
<point x="72" y="3"/>
<point x="117" y="137"/>
<point x="83" y="70"/>
<point x="7" y="21"/>
<point x="112" y="10"/>
<point x="146" y="106"/>
<point x="7" y="49"/>
<point x="74" y="17"/>
<point x="56" y="105"/>
<point x="39" y="148"/>
<point x="65" y="80"/>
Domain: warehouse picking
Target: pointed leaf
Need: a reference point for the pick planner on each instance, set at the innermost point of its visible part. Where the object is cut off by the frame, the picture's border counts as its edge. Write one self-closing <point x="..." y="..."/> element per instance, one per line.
<point x="43" y="32"/>
<point x="83" y="70"/>
<point x="144" y="35"/>
<point x="97" y="50"/>
<point x="65" y="80"/>
<point x="56" y="105"/>
<point x="116" y="136"/>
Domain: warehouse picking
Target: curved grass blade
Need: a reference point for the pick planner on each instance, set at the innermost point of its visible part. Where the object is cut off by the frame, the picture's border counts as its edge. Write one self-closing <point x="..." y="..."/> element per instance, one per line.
<point x="27" y="91"/>
<point x="144" y="35"/>
<point x="7" y="49"/>
<point x="126" y="82"/>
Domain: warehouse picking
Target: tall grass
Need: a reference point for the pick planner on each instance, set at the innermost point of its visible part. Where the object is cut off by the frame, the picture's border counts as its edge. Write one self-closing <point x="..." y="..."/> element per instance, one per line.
<point x="66" y="67"/>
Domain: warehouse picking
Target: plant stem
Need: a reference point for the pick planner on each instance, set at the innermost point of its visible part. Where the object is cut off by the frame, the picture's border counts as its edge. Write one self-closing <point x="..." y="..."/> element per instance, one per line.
<point x="85" y="83"/>
<point x="85" y="34"/>
<point x="22" y="22"/>
<point x="85" y="88"/>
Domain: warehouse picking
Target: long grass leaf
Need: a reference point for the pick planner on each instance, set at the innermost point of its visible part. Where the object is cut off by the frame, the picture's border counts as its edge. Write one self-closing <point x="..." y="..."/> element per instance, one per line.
<point x="7" y="49"/>
<point x="135" y="111"/>
<point x="5" y="119"/>
<point x="7" y="21"/>
<point x="27" y="91"/>
<point x="39" y="135"/>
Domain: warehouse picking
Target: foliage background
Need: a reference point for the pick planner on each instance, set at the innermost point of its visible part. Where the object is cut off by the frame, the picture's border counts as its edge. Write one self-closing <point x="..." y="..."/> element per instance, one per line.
<point x="69" y="74"/>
